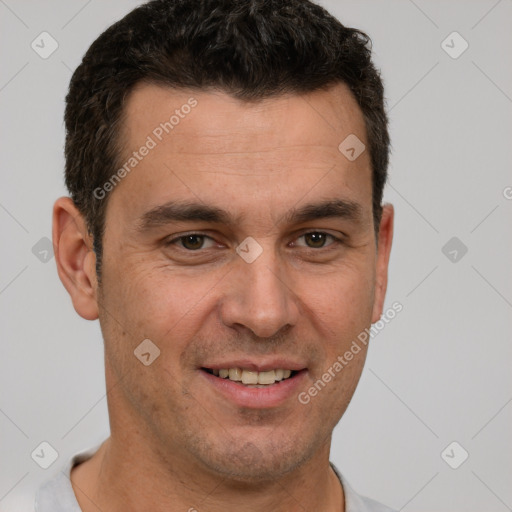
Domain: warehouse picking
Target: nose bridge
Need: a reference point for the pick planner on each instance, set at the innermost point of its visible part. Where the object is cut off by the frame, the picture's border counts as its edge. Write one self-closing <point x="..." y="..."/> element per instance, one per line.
<point x="259" y="297"/>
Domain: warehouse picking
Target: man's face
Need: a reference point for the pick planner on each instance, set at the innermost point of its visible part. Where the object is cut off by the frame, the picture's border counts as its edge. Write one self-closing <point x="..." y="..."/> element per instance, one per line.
<point x="266" y="168"/>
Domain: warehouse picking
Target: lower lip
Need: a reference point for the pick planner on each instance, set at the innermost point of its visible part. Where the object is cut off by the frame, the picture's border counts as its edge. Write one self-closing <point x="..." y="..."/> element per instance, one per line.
<point x="258" y="398"/>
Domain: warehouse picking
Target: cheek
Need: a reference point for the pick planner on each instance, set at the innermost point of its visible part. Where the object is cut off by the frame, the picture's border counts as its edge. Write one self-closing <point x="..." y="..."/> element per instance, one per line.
<point x="152" y="300"/>
<point x="165" y="298"/>
<point x="342" y="300"/>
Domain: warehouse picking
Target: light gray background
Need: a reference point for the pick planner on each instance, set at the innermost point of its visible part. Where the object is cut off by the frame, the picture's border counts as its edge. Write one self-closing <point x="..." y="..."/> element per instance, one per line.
<point x="439" y="372"/>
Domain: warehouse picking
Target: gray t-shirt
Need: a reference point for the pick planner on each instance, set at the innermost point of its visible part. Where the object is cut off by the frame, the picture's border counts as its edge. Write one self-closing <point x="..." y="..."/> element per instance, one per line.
<point x="57" y="495"/>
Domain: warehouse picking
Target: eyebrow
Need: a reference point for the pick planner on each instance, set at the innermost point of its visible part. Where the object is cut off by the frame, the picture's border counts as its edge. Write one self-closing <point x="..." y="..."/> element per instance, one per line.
<point x="179" y="211"/>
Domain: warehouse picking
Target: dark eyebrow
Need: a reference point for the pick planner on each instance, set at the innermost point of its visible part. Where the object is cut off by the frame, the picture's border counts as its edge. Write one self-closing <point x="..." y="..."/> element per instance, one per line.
<point x="192" y="212"/>
<point x="185" y="212"/>
<point x="341" y="208"/>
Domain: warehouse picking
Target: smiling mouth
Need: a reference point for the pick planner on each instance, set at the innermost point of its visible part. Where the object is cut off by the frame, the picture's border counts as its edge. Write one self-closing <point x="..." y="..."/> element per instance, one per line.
<point x="253" y="379"/>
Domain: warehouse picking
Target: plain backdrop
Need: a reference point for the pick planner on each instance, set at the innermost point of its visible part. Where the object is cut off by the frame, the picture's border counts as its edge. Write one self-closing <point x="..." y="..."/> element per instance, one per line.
<point x="439" y="373"/>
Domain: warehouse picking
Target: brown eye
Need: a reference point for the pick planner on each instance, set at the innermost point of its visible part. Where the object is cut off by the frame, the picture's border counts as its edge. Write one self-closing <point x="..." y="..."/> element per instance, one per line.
<point x="192" y="242"/>
<point x="316" y="240"/>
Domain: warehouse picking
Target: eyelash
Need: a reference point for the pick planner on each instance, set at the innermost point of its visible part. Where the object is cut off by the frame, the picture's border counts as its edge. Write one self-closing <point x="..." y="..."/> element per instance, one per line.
<point x="335" y="240"/>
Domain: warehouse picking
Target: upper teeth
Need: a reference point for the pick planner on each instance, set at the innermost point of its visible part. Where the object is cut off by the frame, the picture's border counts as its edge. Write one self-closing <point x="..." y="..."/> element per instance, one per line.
<point x="251" y="377"/>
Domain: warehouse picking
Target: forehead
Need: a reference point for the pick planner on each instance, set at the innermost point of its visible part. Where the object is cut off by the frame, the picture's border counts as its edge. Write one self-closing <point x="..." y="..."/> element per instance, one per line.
<point x="222" y="122"/>
<point x="214" y="148"/>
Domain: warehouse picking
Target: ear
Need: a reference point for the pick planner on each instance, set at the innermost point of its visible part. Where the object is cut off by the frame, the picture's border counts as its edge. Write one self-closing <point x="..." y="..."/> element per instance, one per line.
<point x="383" y="251"/>
<point x="76" y="260"/>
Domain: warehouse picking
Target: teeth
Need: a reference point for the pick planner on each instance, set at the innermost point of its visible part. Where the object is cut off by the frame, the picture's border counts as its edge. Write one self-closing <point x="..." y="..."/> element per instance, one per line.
<point x="267" y="377"/>
<point x="235" y="374"/>
<point x="249" y="377"/>
<point x="252" y="378"/>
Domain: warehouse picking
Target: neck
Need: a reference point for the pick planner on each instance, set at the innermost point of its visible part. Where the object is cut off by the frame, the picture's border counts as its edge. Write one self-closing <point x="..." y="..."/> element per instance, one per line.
<point x="126" y="476"/>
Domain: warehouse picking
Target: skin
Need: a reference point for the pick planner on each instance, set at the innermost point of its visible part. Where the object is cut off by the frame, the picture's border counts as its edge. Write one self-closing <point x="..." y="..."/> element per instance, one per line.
<point x="176" y="443"/>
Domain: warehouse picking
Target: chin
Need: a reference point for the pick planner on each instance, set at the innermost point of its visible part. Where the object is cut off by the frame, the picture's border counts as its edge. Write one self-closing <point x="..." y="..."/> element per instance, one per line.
<point x="257" y="461"/>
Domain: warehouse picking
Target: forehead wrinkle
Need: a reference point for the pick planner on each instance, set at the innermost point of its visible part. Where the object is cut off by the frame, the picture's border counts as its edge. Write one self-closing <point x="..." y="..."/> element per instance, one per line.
<point x="332" y="148"/>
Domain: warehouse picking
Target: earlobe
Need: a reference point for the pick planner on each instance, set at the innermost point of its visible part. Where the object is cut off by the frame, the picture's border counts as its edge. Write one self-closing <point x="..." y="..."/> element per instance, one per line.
<point x="76" y="261"/>
<point x="383" y="253"/>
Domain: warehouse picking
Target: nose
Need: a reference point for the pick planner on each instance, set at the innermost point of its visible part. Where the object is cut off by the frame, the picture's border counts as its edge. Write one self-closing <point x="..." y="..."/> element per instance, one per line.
<point x="259" y="297"/>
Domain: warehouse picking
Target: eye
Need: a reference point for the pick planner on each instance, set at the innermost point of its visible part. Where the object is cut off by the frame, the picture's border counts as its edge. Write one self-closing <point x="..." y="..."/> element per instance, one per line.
<point x="192" y="241"/>
<point x="196" y="241"/>
<point x="317" y="240"/>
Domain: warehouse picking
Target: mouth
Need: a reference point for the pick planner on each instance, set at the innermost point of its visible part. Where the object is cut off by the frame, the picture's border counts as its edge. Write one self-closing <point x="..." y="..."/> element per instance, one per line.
<point x="251" y="378"/>
<point x="253" y="387"/>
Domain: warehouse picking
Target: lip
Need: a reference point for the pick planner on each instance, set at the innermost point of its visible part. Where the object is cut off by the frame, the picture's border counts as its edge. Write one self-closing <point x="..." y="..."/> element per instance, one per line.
<point x="256" y="398"/>
<point x="263" y="366"/>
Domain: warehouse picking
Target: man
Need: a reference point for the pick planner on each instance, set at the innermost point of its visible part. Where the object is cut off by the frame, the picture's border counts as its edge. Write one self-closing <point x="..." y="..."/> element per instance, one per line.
<point x="225" y="161"/>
